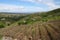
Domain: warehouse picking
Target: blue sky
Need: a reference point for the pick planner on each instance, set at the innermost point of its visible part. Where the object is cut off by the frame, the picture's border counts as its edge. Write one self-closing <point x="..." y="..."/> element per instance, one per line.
<point x="28" y="5"/>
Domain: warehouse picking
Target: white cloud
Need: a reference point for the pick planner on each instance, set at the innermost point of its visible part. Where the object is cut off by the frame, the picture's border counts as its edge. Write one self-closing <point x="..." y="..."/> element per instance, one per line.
<point x="52" y="6"/>
<point x="6" y="7"/>
<point x="49" y="3"/>
<point x="15" y="8"/>
<point x="32" y="0"/>
<point x="34" y="9"/>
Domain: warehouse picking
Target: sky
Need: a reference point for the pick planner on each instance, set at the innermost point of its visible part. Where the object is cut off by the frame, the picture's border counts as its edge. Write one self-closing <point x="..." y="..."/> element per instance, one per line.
<point x="28" y="5"/>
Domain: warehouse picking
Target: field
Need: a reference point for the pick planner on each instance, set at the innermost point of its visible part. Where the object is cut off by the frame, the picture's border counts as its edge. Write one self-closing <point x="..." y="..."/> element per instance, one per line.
<point x="35" y="26"/>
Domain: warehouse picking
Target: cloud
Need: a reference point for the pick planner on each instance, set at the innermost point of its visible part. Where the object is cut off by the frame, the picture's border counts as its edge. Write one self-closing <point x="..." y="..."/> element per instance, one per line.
<point x="50" y="3"/>
<point x="34" y="9"/>
<point x="6" y="7"/>
<point x="15" y="8"/>
<point x="53" y="6"/>
<point x="21" y="8"/>
<point x="32" y="0"/>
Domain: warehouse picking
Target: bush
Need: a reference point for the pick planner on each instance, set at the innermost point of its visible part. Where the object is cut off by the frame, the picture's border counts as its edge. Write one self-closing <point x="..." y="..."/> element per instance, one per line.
<point x="19" y="23"/>
<point x="8" y="24"/>
<point x="2" y="26"/>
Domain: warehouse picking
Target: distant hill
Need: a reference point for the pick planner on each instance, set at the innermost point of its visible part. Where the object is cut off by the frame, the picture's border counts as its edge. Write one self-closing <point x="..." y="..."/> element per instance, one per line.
<point x="56" y="10"/>
<point x="44" y="17"/>
<point x="7" y="19"/>
<point x="31" y="18"/>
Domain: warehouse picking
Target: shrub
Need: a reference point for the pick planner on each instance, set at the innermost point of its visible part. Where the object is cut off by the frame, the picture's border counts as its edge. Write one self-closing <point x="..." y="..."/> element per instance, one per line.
<point x="19" y="23"/>
<point x="8" y="24"/>
<point x="2" y="26"/>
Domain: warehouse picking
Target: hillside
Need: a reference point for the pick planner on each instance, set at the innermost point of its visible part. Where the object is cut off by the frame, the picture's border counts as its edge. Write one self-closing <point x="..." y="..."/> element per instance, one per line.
<point x="38" y="26"/>
<point x="42" y="17"/>
<point x="36" y="31"/>
<point x="56" y="10"/>
<point x="7" y="19"/>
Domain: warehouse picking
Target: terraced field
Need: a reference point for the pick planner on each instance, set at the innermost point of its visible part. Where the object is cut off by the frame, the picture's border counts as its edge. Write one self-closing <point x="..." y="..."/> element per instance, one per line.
<point x="37" y="31"/>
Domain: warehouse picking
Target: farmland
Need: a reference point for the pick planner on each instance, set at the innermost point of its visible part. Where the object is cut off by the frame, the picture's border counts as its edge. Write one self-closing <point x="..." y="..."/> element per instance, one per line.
<point x="35" y="26"/>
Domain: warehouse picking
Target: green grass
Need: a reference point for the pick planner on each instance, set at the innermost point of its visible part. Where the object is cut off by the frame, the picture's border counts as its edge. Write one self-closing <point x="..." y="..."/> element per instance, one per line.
<point x="0" y="37"/>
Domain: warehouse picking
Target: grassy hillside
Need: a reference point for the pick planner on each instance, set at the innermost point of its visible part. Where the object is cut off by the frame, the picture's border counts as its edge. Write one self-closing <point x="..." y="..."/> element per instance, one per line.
<point x="42" y="17"/>
<point x="7" y="19"/>
<point x="38" y="26"/>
